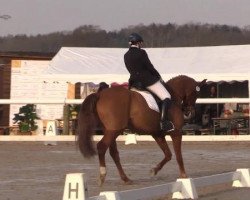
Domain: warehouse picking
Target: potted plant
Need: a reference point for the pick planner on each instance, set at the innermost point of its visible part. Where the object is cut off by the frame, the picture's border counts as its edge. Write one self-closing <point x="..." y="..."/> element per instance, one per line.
<point x="26" y="118"/>
<point x="73" y="111"/>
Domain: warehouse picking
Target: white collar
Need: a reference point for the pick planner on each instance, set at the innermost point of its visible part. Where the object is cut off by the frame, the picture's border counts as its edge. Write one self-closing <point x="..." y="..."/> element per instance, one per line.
<point x="133" y="45"/>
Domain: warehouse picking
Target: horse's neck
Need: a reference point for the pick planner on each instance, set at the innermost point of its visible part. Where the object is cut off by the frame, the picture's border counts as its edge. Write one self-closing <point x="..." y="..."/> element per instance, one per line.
<point x="177" y="99"/>
<point x="177" y="93"/>
<point x="177" y="96"/>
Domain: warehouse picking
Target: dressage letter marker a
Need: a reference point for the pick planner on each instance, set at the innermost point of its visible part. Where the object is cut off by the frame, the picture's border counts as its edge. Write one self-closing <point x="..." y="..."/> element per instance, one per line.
<point x="75" y="187"/>
<point x="51" y="130"/>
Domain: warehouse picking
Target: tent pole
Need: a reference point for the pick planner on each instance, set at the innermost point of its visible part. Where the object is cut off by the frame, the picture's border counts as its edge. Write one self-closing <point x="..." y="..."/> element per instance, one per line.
<point x="217" y="96"/>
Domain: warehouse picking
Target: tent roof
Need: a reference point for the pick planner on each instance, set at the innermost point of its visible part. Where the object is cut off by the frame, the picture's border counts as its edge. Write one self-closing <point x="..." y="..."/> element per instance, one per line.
<point x="106" y="64"/>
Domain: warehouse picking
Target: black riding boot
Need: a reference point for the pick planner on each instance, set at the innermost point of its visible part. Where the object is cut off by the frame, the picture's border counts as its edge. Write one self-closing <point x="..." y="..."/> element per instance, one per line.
<point x="165" y="124"/>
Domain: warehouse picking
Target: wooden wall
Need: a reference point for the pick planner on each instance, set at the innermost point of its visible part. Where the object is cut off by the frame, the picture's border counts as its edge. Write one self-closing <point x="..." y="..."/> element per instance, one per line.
<point x="5" y="73"/>
<point x="5" y="77"/>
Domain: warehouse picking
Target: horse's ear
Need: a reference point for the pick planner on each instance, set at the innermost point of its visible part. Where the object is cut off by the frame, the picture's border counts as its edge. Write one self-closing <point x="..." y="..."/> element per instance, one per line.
<point x="200" y="84"/>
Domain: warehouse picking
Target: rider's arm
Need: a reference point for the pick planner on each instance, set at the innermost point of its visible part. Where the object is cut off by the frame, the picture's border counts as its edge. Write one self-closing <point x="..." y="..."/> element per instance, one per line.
<point x="150" y="66"/>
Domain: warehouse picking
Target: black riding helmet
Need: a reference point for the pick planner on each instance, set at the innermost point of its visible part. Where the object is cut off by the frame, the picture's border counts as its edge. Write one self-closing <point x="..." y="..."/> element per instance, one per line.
<point x="135" y="38"/>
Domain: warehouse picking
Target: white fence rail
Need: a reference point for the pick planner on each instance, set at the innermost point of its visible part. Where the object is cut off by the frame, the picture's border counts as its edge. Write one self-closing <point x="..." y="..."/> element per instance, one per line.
<point x="79" y="101"/>
<point x="123" y="138"/>
<point x="181" y="189"/>
<point x="223" y="100"/>
<point x="151" y="192"/>
<point x="217" y="179"/>
<point x="41" y="101"/>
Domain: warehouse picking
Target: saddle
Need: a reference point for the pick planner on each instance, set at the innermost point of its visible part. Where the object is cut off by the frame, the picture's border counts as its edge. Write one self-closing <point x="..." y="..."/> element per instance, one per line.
<point x="140" y="87"/>
<point x="153" y="101"/>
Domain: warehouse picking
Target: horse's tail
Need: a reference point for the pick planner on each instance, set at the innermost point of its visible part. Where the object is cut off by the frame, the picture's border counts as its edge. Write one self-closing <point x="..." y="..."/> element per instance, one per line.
<point x="87" y="119"/>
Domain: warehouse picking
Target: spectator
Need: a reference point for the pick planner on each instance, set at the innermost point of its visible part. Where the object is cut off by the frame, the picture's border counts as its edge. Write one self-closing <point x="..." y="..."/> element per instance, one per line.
<point x="229" y="109"/>
<point x="210" y="110"/>
<point x="102" y="86"/>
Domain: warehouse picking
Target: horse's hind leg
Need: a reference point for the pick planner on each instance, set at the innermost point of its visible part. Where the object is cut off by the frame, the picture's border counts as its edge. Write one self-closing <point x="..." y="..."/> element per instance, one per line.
<point x="161" y="141"/>
<point x="115" y="155"/>
<point x="177" y="139"/>
<point x="102" y="146"/>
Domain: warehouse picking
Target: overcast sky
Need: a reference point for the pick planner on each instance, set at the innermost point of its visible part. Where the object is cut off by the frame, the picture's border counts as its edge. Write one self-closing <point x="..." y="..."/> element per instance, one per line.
<point x="32" y="17"/>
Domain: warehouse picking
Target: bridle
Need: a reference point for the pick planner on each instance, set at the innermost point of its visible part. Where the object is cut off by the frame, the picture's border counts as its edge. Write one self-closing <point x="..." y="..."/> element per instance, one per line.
<point x="189" y="104"/>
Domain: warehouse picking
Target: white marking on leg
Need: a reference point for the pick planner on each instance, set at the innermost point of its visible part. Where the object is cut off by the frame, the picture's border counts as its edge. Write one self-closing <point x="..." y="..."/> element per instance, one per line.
<point x="103" y="170"/>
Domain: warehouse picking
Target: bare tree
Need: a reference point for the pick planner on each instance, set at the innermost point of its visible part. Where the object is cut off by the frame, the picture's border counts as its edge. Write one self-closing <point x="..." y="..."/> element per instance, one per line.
<point x="5" y="17"/>
<point x="154" y="35"/>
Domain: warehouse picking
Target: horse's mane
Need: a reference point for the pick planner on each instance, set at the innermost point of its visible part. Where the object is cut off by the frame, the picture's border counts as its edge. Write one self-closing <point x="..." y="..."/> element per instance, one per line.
<point x="177" y="77"/>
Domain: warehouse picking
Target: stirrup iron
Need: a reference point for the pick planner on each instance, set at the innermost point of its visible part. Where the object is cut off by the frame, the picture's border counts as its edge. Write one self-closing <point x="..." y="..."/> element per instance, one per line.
<point x="166" y="126"/>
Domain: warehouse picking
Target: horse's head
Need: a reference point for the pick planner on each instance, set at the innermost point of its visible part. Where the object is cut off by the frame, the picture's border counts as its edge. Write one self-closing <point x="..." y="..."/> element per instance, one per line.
<point x="191" y="94"/>
<point x="184" y="91"/>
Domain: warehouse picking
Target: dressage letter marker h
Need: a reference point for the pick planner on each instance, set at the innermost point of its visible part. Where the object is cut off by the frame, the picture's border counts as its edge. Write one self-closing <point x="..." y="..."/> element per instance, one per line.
<point x="75" y="187"/>
<point x="73" y="190"/>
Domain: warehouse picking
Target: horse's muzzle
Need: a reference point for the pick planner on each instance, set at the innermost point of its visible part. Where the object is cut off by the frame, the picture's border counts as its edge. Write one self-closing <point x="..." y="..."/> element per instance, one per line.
<point x="188" y="112"/>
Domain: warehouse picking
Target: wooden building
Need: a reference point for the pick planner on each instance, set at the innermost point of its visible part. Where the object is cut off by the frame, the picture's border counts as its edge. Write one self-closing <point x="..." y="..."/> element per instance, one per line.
<point x="5" y="77"/>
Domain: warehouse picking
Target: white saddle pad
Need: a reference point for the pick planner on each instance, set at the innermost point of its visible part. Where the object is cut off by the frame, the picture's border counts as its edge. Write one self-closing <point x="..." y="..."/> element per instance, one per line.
<point x="149" y="99"/>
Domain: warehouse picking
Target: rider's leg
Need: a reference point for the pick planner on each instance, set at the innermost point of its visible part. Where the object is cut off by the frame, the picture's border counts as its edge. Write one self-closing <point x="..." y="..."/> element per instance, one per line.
<point x="158" y="89"/>
<point x="166" y="124"/>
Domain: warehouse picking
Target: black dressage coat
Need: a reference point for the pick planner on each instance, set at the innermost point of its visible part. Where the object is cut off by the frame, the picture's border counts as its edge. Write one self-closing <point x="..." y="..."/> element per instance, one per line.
<point x="142" y="72"/>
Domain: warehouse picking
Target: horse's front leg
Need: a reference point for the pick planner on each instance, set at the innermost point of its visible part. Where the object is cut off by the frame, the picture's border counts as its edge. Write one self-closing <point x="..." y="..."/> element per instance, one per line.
<point x="177" y="139"/>
<point x="161" y="141"/>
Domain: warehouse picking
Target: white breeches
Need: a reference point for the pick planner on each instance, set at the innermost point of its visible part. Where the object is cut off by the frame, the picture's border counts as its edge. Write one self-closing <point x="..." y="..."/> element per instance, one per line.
<point x="159" y="90"/>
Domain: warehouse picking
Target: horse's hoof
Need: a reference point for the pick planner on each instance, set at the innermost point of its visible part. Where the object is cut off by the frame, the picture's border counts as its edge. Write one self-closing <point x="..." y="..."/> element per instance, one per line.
<point x="153" y="172"/>
<point x="128" y="182"/>
<point x="183" y="176"/>
<point x="101" y="180"/>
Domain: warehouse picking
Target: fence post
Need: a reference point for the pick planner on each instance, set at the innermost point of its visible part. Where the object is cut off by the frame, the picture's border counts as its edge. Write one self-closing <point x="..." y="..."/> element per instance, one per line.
<point x="244" y="180"/>
<point x="130" y="139"/>
<point x="188" y="190"/>
<point x="111" y="195"/>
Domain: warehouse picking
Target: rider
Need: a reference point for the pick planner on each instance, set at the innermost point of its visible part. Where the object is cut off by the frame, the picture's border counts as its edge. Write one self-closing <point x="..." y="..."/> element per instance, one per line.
<point x="144" y="75"/>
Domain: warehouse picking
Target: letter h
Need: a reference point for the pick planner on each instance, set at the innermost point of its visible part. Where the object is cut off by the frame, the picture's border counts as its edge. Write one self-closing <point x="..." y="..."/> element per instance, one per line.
<point x="73" y="190"/>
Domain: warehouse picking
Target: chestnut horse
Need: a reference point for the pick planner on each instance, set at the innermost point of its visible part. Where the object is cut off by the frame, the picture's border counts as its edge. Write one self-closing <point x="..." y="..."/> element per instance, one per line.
<point x="118" y="108"/>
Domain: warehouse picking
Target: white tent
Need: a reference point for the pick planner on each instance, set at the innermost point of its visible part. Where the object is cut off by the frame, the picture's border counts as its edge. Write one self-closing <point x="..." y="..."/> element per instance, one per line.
<point x="214" y="63"/>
